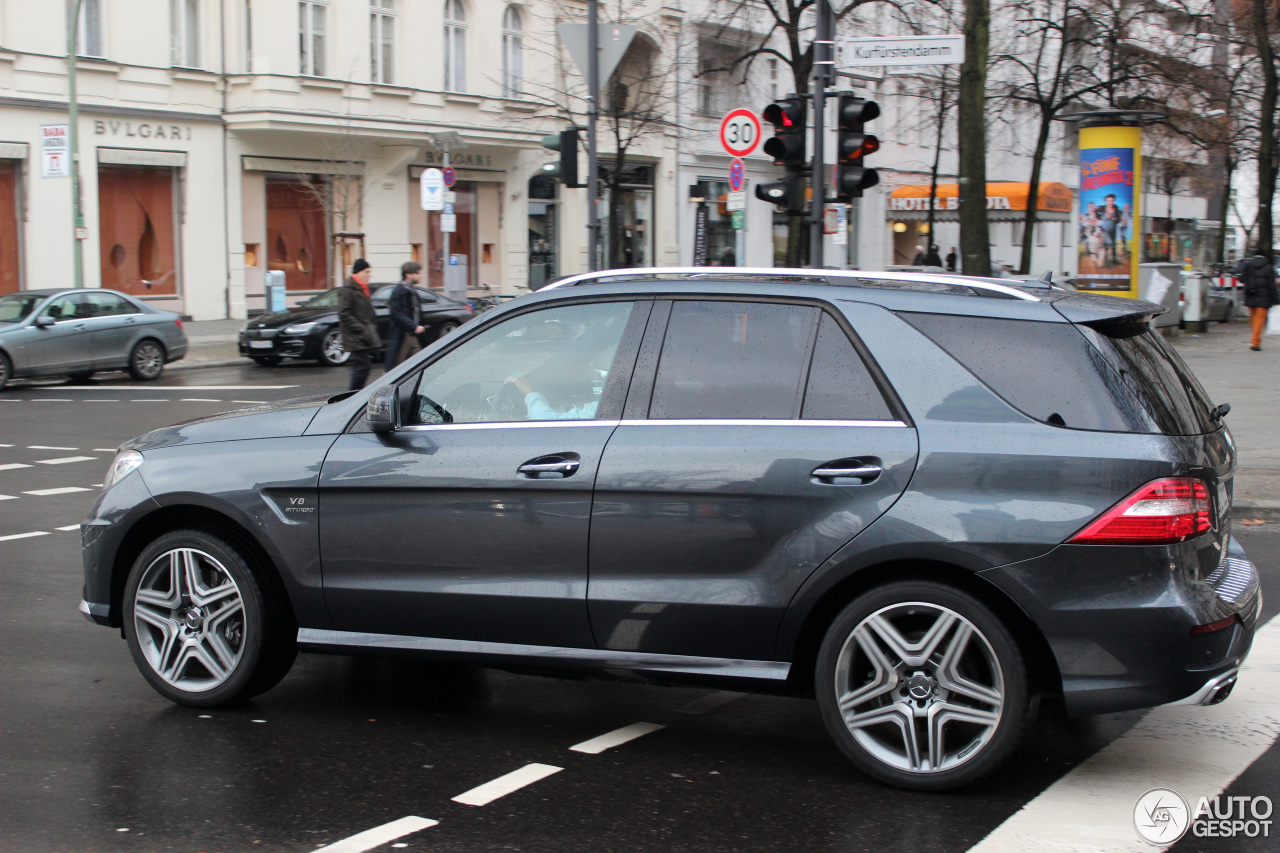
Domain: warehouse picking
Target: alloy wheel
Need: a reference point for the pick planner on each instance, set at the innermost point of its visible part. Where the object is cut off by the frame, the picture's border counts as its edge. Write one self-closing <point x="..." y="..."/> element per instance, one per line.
<point x="331" y="350"/>
<point x="189" y="617"/>
<point x="919" y="687"/>
<point x="148" y="360"/>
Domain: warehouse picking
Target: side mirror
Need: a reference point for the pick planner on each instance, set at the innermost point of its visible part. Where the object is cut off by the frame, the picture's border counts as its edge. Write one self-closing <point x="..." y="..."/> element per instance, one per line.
<point x="44" y="320"/>
<point x="383" y="409"/>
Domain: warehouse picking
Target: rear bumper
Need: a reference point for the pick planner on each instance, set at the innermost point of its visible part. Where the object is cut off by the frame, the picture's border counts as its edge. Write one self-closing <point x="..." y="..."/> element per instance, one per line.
<point x="1118" y="621"/>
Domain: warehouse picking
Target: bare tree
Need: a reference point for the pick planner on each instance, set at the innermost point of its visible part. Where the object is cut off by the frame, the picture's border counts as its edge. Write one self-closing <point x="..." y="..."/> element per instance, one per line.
<point x="975" y="248"/>
<point x="339" y="190"/>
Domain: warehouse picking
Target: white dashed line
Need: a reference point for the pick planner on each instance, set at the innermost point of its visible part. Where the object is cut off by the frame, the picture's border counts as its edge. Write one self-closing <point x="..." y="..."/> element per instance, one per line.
<point x="24" y="535"/>
<point x="154" y="400"/>
<point x="617" y="737"/>
<point x="708" y="703"/>
<point x="1196" y="751"/>
<point x="11" y="465"/>
<point x="6" y="445"/>
<point x="8" y="497"/>
<point x="51" y="400"/>
<point x="48" y="447"/>
<point x="104" y="450"/>
<point x="68" y="527"/>
<point x="248" y="401"/>
<point x="65" y="490"/>
<point x="379" y="835"/>
<point x="65" y="459"/>
<point x="178" y="389"/>
<point x="198" y="400"/>
<point x="503" y="785"/>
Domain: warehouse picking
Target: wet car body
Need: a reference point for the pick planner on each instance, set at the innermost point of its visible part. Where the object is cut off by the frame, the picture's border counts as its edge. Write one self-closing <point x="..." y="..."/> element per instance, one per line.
<point x="78" y="332"/>
<point x="310" y="330"/>
<point x="727" y="550"/>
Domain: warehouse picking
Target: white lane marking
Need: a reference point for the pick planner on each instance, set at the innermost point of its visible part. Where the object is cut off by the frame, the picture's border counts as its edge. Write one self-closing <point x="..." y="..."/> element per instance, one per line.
<point x="1195" y="751"/>
<point x="248" y="401"/>
<point x="6" y="445"/>
<point x="198" y="400"/>
<point x="709" y="702"/>
<point x="104" y="450"/>
<point x="24" y="535"/>
<point x="503" y="785"/>
<point x="379" y="835"/>
<point x="65" y="490"/>
<point x="158" y="389"/>
<point x="68" y="527"/>
<point x="11" y="465"/>
<point x="48" y="447"/>
<point x="65" y="459"/>
<point x="8" y="497"/>
<point x="617" y="737"/>
<point x="50" y="400"/>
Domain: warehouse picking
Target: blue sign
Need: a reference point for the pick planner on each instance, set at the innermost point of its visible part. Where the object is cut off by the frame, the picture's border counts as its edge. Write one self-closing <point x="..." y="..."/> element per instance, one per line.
<point x="448" y="207"/>
<point x="735" y="175"/>
<point x="449" y="176"/>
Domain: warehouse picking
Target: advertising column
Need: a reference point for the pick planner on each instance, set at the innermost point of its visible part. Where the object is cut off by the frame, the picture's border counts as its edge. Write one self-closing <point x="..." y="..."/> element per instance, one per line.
<point x="1110" y="182"/>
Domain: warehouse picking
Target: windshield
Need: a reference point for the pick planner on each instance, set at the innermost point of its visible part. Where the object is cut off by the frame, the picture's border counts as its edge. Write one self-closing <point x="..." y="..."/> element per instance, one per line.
<point x="328" y="299"/>
<point x="15" y="307"/>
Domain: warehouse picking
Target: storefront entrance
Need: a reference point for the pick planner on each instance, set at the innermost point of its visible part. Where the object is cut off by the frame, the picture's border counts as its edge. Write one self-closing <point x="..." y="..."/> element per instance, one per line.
<point x="138" y="227"/>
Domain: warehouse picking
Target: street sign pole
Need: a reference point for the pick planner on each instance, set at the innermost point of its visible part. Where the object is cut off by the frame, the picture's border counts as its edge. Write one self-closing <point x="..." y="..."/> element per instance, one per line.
<point x="73" y="138"/>
<point x="823" y="65"/>
<point x="593" y="110"/>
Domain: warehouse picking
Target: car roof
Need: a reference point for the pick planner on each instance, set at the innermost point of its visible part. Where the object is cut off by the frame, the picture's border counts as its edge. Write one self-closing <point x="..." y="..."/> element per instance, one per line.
<point x="47" y="291"/>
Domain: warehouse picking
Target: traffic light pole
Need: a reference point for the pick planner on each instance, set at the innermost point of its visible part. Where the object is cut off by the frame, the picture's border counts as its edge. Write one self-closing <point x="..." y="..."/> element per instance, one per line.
<point x="593" y="110"/>
<point x="823" y="67"/>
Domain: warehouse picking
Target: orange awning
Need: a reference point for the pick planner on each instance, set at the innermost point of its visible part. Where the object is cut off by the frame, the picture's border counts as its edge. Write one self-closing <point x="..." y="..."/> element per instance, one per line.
<point x="1001" y="195"/>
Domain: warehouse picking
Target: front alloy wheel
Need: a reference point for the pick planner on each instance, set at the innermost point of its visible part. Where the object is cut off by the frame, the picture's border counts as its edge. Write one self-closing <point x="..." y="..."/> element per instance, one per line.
<point x="331" y="350"/>
<point x="202" y="626"/>
<point x="922" y="686"/>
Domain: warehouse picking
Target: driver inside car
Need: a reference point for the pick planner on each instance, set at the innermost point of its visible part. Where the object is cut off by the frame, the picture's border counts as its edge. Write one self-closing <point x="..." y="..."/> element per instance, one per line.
<point x="540" y="409"/>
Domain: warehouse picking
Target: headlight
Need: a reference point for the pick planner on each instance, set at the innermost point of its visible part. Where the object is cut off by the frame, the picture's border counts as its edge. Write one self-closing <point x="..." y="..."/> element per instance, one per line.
<point x="121" y="466"/>
<point x="298" y="329"/>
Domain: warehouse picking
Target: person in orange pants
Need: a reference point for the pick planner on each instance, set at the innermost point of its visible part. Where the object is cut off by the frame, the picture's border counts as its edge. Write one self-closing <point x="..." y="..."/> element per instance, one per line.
<point x="1259" y="277"/>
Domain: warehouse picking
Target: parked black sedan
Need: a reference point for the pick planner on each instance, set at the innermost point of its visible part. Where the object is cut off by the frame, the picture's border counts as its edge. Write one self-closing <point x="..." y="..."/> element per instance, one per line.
<point x="310" y="330"/>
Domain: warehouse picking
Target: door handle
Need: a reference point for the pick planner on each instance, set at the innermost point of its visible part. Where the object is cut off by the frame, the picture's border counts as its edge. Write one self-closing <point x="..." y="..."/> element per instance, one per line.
<point x="863" y="472"/>
<point x="554" y="467"/>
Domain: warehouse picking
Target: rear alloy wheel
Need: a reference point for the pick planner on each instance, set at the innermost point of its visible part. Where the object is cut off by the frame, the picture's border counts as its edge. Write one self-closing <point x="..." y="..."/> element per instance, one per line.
<point x="6" y="370"/>
<point x="331" y="350"/>
<point x="268" y="360"/>
<point x="146" y="362"/>
<point x="922" y="686"/>
<point x="446" y="329"/>
<point x="203" y="627"/>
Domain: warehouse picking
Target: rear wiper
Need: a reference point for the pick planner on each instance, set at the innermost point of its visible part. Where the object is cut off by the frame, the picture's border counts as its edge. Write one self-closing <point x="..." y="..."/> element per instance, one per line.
<point x="1217" y="413"/>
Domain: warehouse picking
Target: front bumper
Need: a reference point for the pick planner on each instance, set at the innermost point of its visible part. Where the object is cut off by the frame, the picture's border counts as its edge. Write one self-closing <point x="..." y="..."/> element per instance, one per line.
<point x="1118" y="621"/>
<point x="283" y="346"/>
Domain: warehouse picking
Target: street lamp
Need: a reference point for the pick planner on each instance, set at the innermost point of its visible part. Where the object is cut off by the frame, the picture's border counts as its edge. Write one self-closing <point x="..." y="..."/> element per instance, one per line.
<point x="73" y="119"/>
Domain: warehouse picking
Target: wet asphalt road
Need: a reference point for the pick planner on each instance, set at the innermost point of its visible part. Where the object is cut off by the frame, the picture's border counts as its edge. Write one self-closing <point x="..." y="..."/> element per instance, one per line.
<point x="91" y="759"/>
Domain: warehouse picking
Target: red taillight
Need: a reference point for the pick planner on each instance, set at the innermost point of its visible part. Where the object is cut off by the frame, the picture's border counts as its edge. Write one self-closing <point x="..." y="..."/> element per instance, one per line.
<point x="1161" y="512"/>
<point x="1214" y="626"/>
<point x="179" y="322"/>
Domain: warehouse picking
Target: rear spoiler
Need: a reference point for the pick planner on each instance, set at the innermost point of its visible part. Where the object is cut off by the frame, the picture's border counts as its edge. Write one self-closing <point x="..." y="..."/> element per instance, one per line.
<point x="1094" y="309"/>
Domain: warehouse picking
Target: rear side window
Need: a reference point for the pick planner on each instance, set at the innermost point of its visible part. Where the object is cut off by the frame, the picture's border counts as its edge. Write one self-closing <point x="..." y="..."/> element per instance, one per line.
<point x="840" y="387"/>
<point x="1075" y="376"/>
<point x="733" y="360"/>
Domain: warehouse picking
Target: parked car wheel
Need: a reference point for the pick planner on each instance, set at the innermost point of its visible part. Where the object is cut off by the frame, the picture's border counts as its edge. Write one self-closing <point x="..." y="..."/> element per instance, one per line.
<point x="445" y="328"/>
<point x="146" y="362"/>
<point x="268" y="360"/>
<point x="204" y="628"/>
<point x="331" y="351"/>
<point x="922" y="686"/>
<point x="6" y="370"/>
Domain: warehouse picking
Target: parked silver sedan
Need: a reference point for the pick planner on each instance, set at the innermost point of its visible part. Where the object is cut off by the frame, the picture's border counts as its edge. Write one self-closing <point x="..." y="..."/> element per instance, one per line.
<point x="79" y="332"/>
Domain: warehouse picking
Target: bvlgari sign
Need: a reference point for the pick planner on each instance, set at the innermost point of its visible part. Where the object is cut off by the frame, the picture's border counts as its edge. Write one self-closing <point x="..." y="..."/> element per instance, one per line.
<point x="141" y="129"/>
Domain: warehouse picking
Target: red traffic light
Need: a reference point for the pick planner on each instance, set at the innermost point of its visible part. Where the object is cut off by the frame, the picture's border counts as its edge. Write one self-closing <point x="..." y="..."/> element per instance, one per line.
<point x="851" y="146"/>
<point x="788" y="114"/>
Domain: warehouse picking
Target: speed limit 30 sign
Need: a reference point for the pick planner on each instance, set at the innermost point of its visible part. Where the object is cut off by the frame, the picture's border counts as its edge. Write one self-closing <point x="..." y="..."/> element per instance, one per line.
<point x="740" y="132"/>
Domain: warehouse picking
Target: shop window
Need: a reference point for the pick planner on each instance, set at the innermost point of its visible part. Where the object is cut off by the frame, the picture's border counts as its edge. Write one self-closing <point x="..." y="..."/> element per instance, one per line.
<point x="382" y="33"/>
<point x="441" y="246"/>
<point x="296" y="231"/>
<point x="629" y="219"/>
<point x="311" y="32"/>
<point x="544" y="231"/>
<point x="455" y="46"/>
<point x="137" y="223"/>
<point x="10" y="227"/>
<point x="721" y="239"/>
<point x="512" y="53"/>
<point x="184" y="18"/>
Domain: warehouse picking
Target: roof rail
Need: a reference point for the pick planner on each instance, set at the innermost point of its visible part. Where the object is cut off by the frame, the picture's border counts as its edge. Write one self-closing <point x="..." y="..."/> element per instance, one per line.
<point x="866" y="278"/>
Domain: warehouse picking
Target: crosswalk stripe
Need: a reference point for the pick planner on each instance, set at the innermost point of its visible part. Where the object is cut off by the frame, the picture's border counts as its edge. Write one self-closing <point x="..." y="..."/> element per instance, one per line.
<point x="65" y="459"/>
<point x="24" y="535"/>
<point x="65" y="490"/>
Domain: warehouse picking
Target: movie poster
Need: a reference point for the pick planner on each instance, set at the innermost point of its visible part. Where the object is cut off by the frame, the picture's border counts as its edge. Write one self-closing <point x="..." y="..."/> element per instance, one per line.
<point x="1110" y="170"/>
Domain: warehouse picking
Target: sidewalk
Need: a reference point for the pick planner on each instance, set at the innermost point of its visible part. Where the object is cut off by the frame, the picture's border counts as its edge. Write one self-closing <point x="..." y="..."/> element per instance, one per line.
<point x="211" y="343"/>
<point x="1232" y="373"/>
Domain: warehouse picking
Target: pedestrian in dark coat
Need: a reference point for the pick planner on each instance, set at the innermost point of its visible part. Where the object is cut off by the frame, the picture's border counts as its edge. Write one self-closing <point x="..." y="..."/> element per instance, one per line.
<point x="1260" y="294"/>
<point x="358" y="323"/>
<point x="405" y="319"/>
<point x="951" y="260"/>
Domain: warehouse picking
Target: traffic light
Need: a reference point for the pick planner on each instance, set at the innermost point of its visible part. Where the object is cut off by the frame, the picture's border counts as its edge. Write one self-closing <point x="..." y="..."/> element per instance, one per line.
<point x="852" y="144"/>
<point x="789" y="118"/>
<point x="566" y="142"/>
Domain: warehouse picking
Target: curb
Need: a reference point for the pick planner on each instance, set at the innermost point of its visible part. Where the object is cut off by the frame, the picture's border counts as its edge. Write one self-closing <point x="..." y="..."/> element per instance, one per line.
<point x="1251" y="512"/>
<point x="199" y="365"/>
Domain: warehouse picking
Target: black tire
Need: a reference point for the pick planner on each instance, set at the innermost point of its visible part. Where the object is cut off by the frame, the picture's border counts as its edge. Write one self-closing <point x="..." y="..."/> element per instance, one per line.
<point x="445" y="329"/>
<point x="146" y="360"/>
<point x="986" y="665"/>
<point x="6" y="370"/>
<point x="267" y="360"/>
<point x="331" y="349"/>
<point x="257" y="643"/>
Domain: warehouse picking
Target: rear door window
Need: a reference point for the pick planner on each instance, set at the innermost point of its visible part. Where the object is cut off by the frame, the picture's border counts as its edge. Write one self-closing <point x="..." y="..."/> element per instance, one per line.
<point x="1128" y="380"/>
<point x="733" y="360"/>
<point x="840" y="387"/>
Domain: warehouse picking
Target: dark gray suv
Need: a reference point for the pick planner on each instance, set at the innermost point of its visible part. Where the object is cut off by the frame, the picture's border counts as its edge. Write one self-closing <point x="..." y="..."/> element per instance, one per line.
<point x="924" y="499"/>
